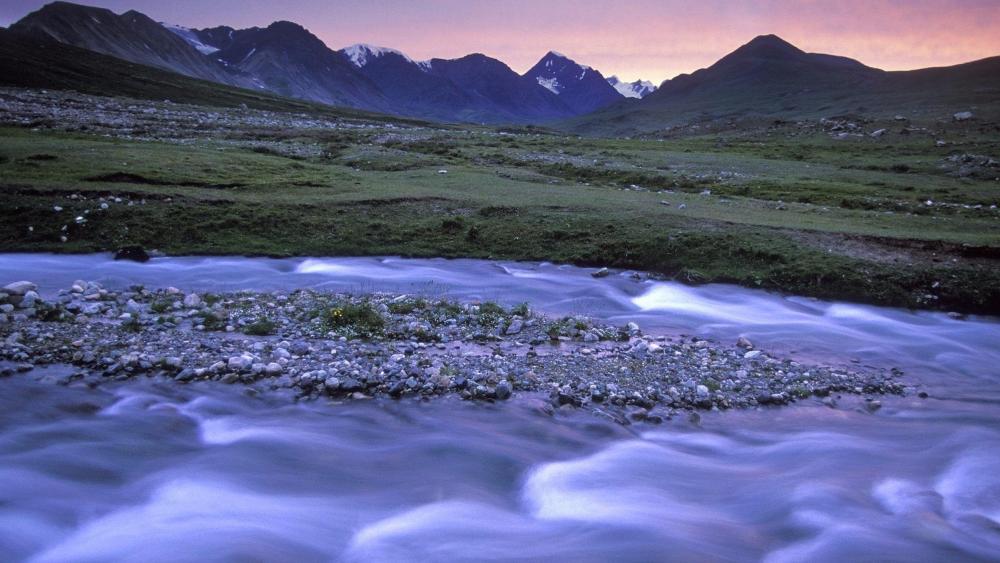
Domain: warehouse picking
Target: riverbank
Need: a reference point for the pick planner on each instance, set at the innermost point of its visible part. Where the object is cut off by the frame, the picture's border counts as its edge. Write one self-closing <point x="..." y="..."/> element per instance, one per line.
<point x="334" y="345"/>
<point x="896" y="221"/>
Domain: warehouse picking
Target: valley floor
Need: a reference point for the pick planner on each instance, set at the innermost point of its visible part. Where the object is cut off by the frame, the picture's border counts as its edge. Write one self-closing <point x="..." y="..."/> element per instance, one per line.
<point x="907" y="217"/>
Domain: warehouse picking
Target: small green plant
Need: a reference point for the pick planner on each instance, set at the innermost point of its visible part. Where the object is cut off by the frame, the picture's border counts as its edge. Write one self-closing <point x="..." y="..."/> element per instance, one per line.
<point x="161" y="306"/>
<point x="213" y="321"/>
<point x="260" y="327"/>
<point x="491" y="314"/>
<point x="407" y="306"/>
<point x="555" y="329"/>
<point x="132" y="325"/>
<point x="356" y="319"/>
<point x="521" y="310"/>
<point x="51" y="313"/>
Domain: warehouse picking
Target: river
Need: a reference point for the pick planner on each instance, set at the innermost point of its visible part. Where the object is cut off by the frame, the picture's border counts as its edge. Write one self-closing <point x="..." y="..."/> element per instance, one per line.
<point x="150" y="470"/>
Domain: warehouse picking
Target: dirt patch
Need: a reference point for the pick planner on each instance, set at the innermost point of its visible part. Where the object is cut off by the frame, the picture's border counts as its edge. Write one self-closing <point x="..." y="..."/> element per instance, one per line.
<point x="130" y="178"/>
<point x="898" y="251"/>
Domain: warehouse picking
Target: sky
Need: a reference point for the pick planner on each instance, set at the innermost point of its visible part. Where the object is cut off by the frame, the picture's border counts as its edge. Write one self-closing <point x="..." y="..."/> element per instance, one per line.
<point x="649" y="39"/>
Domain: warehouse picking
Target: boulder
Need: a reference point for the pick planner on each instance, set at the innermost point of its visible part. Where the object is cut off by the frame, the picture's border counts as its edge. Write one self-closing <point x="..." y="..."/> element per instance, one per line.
<point x="962" y="116"/>
<point x="18" y="289"/>
<point x="132" y="253"/>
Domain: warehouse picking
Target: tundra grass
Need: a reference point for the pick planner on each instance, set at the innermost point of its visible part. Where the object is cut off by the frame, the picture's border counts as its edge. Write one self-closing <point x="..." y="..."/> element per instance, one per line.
<point x="521" y="196"/>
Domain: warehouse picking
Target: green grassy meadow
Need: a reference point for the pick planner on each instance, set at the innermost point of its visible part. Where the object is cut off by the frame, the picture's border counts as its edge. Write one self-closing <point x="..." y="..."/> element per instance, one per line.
<point x="775" y="209"/>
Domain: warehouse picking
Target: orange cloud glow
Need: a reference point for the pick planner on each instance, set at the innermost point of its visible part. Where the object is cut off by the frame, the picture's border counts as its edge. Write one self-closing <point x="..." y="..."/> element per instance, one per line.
<point x="649" y="39"/>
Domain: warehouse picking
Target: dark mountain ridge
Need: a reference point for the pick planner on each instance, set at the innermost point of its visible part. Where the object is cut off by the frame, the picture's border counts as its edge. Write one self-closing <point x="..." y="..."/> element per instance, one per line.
<point x="771" y="78"/>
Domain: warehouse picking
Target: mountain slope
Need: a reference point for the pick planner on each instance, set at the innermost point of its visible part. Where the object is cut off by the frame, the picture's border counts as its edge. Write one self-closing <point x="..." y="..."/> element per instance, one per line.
<point x="771" y="78"/>
<point x="131" y="36"/>
<point x="409" y="87"/>
<point x="580" y="87"/>
<point x="287" y="59"/>
<point x="29" y="61"/>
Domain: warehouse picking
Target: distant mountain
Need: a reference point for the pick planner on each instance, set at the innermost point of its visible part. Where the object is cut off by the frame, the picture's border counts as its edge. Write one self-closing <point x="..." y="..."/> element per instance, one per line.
<point x="130" y="36"/>
<point x="410" y="88"/>
<point x="580" y="87"/>
<point x="495" y="89"/>
<point x="638" y="89"/>
<point x="287" y="59"/>
<point x="771" y="78"/>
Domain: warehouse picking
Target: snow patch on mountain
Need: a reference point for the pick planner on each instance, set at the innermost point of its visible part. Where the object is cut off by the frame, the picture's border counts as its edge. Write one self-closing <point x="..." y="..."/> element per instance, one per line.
<point x="638" y="89"/>
<point x="192" y="39"/>
<point x="550" y="84"/>
<point x="362" y="53"/>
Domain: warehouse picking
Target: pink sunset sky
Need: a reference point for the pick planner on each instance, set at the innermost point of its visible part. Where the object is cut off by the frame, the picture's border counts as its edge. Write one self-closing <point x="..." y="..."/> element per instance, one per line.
<point x="649" y="39"/>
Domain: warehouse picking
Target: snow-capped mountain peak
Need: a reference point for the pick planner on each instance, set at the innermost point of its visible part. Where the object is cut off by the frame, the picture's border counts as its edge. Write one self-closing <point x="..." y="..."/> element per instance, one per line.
<point x="638" y="89"/>
<point x="191" y="37"/>
<point x="362" y="53"/>
<point x="580" y="87"/>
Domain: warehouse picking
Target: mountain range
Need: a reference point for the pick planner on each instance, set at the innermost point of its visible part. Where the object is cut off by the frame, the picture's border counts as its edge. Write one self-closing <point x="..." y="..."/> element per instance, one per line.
<point x="767" y="78"/>
<point x="286" y="59"/>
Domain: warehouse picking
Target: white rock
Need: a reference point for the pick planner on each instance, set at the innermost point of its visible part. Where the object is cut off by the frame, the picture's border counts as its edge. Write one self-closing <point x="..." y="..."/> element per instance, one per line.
<point x="962" y="116"/>
<point x="192" y="300"/>
<point x="752" y="354"/>
<point x="19" y="288"/>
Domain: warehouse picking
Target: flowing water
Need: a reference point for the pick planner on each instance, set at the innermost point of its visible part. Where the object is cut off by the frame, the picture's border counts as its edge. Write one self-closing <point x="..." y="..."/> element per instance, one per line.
<point x="149" y="470"/>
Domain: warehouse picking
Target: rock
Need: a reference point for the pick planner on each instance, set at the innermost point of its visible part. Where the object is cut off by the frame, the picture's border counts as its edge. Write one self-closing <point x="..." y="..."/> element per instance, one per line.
<point x="602" y="273"/>
<point x="29" y="300"/>
<point x="962" y="116"/>
<point x="503" y="390"/>
<point x="299" y="348"/>
<point x="192" y="300"/>
<point x="238" y="363"/>
<point x="79" y="286"/>
<point x="744" y="342"/>
<point x="18" y="289"/>
<point x="172" y="362"/>
<point x="92" y="309"/>
<point x="132" y="253"/>
<point x="702" y="391"/>
<point x="640" y="349"/>
<point x="351" y="385"/>
<point x="752" y="354"/>
<point x="877" y="133"/>
<point x="273" y="368"/>
<point x="515" y="327"/>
